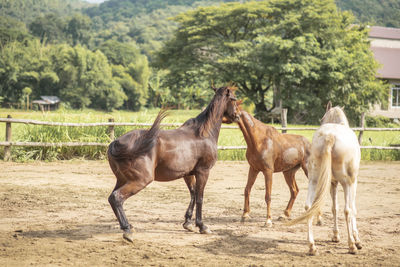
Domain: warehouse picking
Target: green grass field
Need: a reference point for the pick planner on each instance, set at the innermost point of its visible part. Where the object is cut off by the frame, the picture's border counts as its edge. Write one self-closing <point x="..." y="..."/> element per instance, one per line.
<point x="228" y="137"/>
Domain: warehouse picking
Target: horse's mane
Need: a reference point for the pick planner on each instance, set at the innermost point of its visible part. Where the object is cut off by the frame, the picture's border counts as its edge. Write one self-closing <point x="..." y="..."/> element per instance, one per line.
<point x="335" y="115"/>
<point x="204" y="122"/>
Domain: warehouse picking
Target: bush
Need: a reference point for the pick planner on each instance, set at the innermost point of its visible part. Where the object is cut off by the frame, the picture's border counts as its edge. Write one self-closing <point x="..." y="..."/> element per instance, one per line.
<point x="379" y="122"/>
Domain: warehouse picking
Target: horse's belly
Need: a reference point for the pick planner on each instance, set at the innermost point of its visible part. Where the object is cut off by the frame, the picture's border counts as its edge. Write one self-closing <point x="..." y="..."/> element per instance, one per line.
<point x="173" y="171"/>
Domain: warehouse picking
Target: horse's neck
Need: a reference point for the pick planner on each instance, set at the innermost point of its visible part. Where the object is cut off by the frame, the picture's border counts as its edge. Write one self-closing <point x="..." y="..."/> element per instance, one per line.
<point x="335" y="115"/>
<point x="210" y="121"/>
<point x="247" y="125"/>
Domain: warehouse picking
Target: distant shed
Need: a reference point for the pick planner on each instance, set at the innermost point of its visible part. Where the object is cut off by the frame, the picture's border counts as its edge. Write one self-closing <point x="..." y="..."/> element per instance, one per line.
<point x="47" y="103"/>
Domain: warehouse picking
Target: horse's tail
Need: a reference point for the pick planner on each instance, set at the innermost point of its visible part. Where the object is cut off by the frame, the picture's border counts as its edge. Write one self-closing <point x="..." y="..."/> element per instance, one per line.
<point x="142" y="145"/>
<point x="324" y="175"/>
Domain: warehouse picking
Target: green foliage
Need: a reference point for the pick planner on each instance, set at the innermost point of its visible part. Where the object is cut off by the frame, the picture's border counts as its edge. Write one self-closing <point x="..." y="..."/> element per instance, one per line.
<point x="28" y="10"/>
<point x="12" y="30"/>
<point x="24" y="66"/>
<point x="304" y="50"/>
<point x="379" y="122"/>
<point x="375" y="12"/>
<point x="130" y="69"/>
<point x="296" y="34"/>
<point x="79" y="76"/>
<point x="85" y="78"/>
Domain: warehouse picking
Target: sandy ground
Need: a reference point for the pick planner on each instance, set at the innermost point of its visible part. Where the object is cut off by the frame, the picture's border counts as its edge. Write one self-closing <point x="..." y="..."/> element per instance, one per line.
<point x="57" y="214"/>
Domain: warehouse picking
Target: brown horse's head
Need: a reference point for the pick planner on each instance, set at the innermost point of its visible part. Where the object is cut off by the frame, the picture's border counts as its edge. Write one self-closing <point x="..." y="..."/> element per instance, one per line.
<point x="232" y="112"/>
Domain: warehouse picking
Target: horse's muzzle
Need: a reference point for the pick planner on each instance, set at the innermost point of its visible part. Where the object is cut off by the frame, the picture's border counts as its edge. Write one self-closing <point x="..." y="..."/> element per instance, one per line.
<point x="237" y="117"/>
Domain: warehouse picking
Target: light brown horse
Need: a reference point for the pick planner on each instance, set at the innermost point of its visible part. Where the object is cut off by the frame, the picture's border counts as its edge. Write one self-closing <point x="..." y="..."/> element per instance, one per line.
<point x="270" y="151"/>
<point x="141" y="156"/>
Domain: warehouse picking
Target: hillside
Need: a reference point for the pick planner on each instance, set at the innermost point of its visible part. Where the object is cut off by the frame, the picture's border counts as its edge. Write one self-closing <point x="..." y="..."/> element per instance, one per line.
<point x="27" y="10"/>
<point x="375" y="12"/>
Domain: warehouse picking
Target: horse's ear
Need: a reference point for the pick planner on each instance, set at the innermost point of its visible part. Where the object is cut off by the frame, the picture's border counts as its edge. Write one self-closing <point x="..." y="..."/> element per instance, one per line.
<point x="329" y="105"/>
<point x="213" y="87"/>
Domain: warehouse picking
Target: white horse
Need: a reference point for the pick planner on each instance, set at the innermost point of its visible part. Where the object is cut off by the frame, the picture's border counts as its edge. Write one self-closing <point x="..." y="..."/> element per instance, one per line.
<point x="335" y="158"/>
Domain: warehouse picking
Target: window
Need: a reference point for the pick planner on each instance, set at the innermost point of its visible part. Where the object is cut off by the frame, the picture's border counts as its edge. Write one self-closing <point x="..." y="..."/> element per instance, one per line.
<point x="396" y="96"/>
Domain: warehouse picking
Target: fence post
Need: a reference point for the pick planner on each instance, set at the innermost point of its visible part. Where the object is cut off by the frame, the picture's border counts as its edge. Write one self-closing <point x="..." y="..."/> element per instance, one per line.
<point x="360" y="135"/>
<point x="7" y="149"/>
<point x="111" y="130"/>
<point x="284" y="119"/>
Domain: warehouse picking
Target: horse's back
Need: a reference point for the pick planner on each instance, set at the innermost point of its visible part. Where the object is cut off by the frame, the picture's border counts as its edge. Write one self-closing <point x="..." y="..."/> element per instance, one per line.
<point x="345" y="153"/>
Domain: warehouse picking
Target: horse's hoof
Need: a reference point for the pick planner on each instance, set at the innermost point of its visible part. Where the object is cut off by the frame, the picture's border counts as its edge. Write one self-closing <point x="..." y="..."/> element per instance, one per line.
<point x="128" y="236"/>
<point x="283" y="218"/>
<point x="189" y="226"/>
<point x="319" y="222"/>
<point x="268" y="224"/>
<point x="336" y="239"/>
<point x="353" y="250"/>
<point x="358" y="245"/>
<point x="245" y="217"/>
<point x="312" y="251"/>
<point x="205" y="231"/>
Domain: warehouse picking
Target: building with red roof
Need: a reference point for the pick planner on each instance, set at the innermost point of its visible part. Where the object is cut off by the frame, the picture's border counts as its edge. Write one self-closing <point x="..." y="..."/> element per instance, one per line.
<point x="385" y="44"/>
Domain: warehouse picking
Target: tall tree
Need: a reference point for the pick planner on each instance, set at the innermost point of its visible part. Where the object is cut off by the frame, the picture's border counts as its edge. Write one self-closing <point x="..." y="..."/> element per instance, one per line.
<point x="85" y="78"/>
<point x="130" y="69"/>
<point x="305" y="51"/>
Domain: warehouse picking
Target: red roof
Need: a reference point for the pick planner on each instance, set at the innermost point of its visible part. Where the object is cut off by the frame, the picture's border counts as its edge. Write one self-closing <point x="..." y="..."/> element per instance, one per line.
<point x="384" y="32"/>
<point x="389" y="58"/>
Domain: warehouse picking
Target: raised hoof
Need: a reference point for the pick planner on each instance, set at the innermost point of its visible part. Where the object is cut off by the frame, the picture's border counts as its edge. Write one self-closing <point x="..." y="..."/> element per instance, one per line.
<point x="358" y="245"/>
<point x="128" y="236"/>
<point x="189" y="226"/>
<point x="205" y="231"/>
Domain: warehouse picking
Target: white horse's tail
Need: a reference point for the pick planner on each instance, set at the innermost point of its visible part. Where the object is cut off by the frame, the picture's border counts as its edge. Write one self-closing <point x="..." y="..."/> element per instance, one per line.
<point x="324" y="174"/>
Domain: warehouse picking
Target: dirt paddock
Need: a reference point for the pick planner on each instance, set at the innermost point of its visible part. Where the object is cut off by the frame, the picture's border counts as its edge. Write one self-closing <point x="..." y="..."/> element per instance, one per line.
<point x="57" y="214"/>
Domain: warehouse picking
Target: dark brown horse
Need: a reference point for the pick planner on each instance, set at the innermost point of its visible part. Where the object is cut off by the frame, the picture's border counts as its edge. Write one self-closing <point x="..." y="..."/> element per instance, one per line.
<point x="141" y="156"/>
<point x="270" y="151"/>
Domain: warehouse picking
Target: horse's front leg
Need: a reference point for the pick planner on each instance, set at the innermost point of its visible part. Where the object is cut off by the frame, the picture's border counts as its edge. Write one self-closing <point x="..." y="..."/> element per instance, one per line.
<point x="201" y="180"/>
<point x="268" y="189"/>
<point x="250" y="182"/>
<point x="191" y="183"/>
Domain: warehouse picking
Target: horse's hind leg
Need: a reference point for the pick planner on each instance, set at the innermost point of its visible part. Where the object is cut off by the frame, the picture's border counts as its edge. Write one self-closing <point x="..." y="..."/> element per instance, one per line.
<point x="250" y="182"/>
<point x="191" y="183"/>
<point x="201" y="180"/>
<point x="117" y="199"/>
<point x="319" y="215"/>
<point x="353" y="219"/>
<point x="268" y="190"/>
<point x="336" y="237"/>
<point x="294" y="189"/>
<point x="348" y="212"/>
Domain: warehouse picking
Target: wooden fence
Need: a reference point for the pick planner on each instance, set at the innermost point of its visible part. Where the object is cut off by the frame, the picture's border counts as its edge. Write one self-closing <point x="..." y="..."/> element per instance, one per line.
<point x="8" y="143"/>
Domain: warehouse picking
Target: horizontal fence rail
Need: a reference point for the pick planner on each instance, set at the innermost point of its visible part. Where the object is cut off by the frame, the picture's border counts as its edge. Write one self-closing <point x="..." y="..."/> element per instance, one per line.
<point x="111" y="124"/>
<point x="97" y="124"/>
